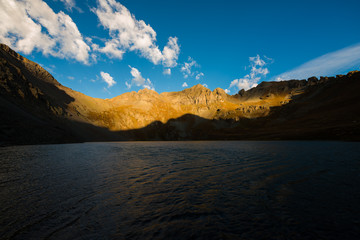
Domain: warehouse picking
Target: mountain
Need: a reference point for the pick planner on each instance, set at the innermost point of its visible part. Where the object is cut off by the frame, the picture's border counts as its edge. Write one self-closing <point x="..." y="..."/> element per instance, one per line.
<point x="35" y="108"/>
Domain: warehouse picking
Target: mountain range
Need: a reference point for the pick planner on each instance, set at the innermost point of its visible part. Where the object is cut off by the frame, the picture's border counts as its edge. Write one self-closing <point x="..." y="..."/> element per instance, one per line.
<point x="36" y="109"/>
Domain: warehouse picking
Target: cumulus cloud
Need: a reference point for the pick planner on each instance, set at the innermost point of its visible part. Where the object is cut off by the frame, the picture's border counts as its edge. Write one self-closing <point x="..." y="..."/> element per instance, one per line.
<point x="257" y="72"/>
<point x="110" y="49"/>
<point x="199" y="75"/>
<point x="186" y="69"/>
<point x="138" y="80"/>
<point x="184" y="85"/>
<point x="227" y="91"/>
<point x="171" y="52"/>
<point x="244" y="83"/>
<point x="329" y="64"/>
<point x="167" y="71"/>
<point x="129" y="34"/>
<point x="30" y="25"/>
<point x="108" y="79"/>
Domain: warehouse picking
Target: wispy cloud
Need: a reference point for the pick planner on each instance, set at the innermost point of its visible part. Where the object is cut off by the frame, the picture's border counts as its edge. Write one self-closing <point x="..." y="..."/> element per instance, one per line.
<point x="187" y="69"/>
<point x="257" y="72"/>
<point x="129" y="34"/>
<point x="108" y="79"/>
<point x="139" y="80"/>
<point x="326" y="65"/>
<point x="50" y="69"/>
<point x="31" y="24"/>
<point x="167" y="71"/>
<point x="69" y="4"/>
<point x="199" y="75"/>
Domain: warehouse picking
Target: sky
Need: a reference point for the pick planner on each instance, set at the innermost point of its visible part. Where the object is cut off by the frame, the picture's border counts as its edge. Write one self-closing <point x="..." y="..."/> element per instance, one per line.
<point x="104" y="48"/>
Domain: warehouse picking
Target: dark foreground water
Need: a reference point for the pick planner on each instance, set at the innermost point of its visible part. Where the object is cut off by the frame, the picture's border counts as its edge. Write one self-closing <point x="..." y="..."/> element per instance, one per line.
<point x="181" y="190"/>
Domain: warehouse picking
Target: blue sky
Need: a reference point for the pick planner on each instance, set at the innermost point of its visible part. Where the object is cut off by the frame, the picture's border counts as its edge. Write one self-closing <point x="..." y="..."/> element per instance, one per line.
<point x="104" y="48"/>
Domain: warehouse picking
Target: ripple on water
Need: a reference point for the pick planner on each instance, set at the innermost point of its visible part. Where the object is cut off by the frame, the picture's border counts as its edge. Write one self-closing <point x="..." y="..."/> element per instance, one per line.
<point x="181" y="190"/>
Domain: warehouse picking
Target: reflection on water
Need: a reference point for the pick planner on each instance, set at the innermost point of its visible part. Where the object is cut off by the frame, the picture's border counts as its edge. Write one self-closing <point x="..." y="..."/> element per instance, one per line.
<point x="181" y="190"/>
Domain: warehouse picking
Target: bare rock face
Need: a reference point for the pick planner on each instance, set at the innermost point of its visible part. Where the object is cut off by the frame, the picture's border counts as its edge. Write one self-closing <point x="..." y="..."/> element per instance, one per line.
<point x="196" y="95"/>
<point x="34" y="102"/>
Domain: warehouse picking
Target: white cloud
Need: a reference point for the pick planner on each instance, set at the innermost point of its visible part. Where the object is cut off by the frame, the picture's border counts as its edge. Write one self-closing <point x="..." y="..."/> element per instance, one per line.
<point x="171" y="52"/>
<point x="69" y="4"/>
<point x="257" y="61"/>
<point x="33" y="25"/>
<point x="167" y="71"/>
<point x="129" y="34"/>
<point x="199" y="75"/>
<point x="257" y="72"/>
<point x="71" y="78"/>
<point x="205" y="85"/>
<point x="186" y="69"/>
<point x="329" y="64"/>
<point x="227" y="91"/>
<point x="108" y="79"/>
<point x="138" y="80"/>
<point x="128" y="85"/>
<point x="244" y="83"/>
<point x="110" y="49"/>
<point x="184" y="85"/>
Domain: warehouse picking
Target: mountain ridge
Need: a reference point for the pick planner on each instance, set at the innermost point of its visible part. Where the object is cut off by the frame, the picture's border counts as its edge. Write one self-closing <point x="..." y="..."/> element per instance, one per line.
<point x="29" y="95"/>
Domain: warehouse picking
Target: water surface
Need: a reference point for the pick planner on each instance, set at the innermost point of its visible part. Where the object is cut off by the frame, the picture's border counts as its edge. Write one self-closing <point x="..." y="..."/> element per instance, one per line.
<point x="181" y="190"/>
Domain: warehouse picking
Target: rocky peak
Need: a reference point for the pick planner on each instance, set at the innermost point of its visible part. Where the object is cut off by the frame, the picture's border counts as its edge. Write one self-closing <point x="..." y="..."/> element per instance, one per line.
<point x="313" y="79"/>
<point x="197" y="89"/>
<point x="37" y="72"/>
<point x="135" y="97"/>
<point x="147" y="91"/>
<point x="220" y="91"/>
<point x="267" y="89"/>
<point x="241" y="92"/>
<point x="353" y="73"/>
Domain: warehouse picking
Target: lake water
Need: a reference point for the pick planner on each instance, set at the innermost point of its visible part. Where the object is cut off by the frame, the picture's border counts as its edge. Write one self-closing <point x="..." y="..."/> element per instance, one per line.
<point x="181" y="190"/>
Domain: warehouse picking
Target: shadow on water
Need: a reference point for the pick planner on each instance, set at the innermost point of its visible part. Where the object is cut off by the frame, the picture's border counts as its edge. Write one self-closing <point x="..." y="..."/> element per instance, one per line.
<point x="181" y="190"/>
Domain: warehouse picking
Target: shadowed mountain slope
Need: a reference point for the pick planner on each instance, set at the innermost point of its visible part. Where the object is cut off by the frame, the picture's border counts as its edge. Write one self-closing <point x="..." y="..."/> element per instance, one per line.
<point x="35" y="108"/>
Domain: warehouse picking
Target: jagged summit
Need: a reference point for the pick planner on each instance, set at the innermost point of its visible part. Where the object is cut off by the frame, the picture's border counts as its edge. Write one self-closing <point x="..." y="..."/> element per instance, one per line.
<point x="198" y="86"/>
<point x="196" y="89"/>
<point x="147" y="91"/>
<point x="221" y="92"/>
